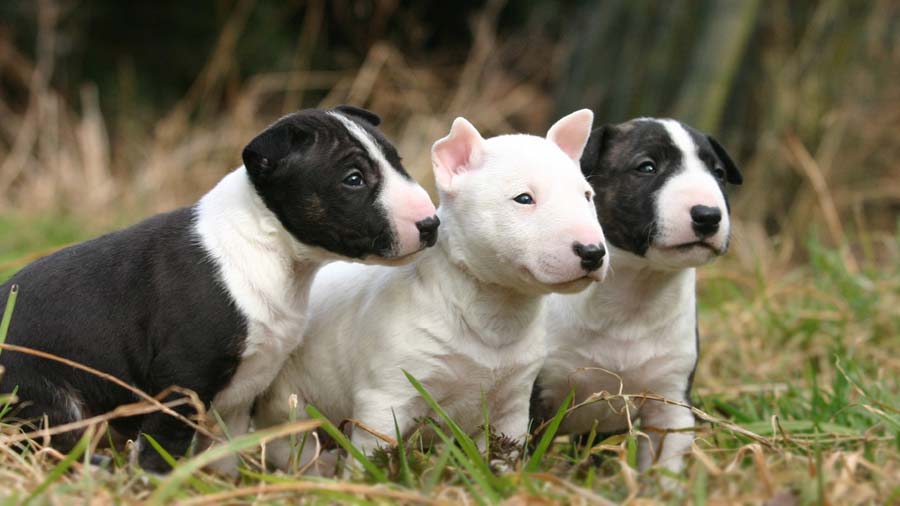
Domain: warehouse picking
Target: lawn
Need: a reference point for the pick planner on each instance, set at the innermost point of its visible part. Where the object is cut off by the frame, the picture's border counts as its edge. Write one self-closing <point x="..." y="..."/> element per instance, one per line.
<point x="797" y="394"/>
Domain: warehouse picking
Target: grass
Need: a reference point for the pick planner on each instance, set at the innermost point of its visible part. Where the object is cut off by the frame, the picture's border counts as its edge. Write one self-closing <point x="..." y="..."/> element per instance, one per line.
<point x="799" y="374"/>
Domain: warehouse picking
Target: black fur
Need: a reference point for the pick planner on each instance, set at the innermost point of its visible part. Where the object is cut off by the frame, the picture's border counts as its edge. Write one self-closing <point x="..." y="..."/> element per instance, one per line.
<point x="626" y="198"/>
<point x="143" y="304"/>
<point x="363" y="114"/>
<point x="147" y="305"/>
<point x="298" y="165"/>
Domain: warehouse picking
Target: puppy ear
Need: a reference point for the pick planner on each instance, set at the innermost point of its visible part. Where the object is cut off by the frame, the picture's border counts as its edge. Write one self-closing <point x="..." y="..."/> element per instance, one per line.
<point x="597" y="145"/>
<point x="456" y="153"/>
<point x="732" y="174"/>
<point x="359" y="113"/>
<point x="268" y="148"/>
<point x="571" y="132"/>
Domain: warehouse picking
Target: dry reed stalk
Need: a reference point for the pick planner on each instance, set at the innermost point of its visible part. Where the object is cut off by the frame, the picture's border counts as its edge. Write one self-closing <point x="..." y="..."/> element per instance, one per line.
<point x="48" y="15"/>
<point x="195" y="402"/>
<point x="810" y="169"/>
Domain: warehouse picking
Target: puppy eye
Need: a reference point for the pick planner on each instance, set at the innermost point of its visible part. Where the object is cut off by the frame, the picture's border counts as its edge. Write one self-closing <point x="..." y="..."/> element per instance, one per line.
<point x="355" y="178"/>
<point x="588" y="196"/>
<point x="646" y="168"/>
<point x="719" y="173"/>
<point x="524" y="198"/>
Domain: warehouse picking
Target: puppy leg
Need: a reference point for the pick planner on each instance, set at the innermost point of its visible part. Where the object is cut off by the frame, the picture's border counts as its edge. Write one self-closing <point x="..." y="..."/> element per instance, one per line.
<point x="665" y="448"/>
<point x="273" y="408"/>
<point x="237" y="423"/>
<point x="378" y="409"/>
<point x="511" y="419"/>
<point x="39" y="399"/>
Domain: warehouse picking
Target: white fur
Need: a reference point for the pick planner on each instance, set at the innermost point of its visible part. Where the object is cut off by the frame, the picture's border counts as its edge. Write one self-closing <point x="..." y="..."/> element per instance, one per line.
<point x="268" y="274"/>
<point x="637" y="327"/>
<point x="694" y="185"/>
<point x="465" y="318"/>
<point x="636" y="332"/>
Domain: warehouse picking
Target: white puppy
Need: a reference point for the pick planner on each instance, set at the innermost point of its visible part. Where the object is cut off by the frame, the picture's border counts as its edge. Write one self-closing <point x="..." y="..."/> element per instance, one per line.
<point x="661" y="199"/>
<point x="465" y="318"/>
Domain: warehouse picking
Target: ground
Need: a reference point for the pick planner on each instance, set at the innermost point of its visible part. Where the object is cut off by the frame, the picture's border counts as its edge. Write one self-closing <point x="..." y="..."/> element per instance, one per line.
<point x="797" y="392"/>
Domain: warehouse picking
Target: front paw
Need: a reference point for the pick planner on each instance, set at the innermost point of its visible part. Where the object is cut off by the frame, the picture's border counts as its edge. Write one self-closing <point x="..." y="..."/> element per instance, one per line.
<point x="226" y="466"/>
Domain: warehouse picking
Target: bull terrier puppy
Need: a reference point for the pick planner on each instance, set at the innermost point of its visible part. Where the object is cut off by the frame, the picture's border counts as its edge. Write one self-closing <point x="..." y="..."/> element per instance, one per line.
<point x="211" y="297"/>
<point x="661" y="198"/>
<point x="465" y="318"/>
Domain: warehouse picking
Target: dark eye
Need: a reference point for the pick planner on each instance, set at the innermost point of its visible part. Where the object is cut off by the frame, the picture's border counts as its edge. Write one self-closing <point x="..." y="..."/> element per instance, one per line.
<point x="355" y="178"/>
<point x="587" y="196"/>
<point x="524" y="198"/>
<point x="646" y="168"/>
<point x="719" y="172"/>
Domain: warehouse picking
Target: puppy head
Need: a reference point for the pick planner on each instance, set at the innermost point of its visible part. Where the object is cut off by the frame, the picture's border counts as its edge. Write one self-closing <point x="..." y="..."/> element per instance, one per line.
<point x="661" y="191"/>
<point x="334" y="182"/>
<point x="520" y="211"/>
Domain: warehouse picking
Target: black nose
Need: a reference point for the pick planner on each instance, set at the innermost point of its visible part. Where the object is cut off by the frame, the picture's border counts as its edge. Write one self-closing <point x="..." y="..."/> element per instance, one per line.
<point x="591" y="255"/>
<point x="705" y="220"/>
<point x="428" y="230"/>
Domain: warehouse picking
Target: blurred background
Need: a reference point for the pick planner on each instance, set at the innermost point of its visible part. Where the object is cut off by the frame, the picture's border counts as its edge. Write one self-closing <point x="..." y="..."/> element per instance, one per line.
<point x="112" y="110"/>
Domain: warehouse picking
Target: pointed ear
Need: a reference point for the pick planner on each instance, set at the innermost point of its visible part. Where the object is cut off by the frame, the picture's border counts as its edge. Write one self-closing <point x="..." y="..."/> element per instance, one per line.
<point x="456" y="153"/>
<point x="268" y="148"/>
<point x="359" y="113"/>
<point x="597" y="144"/>
<point x="571" y="133"/>
<point x="732" y="174"/>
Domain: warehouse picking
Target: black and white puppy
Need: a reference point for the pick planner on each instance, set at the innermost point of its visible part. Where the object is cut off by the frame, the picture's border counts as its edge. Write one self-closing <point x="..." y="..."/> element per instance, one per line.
<point x="660" y="196"/>
<point x="212" y="297"/>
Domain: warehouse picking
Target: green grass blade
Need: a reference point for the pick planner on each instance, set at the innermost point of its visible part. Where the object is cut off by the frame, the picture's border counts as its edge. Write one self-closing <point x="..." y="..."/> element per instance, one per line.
<point x="61" y="468"/>
<point x="700" y="486"/>
<point x="463" y="439"/>
<point x="477" y="474"/>
<point x="8" y="312"/>
<point x="534" y="461"/>
<point x="345" y="443"/>
<point x="631" y="449"/>
<point x="438" y="471"/>
<point x="173" y="462"/>
<point x="7" y="401"/>
<point x="405" y="473"/>
<point x="186" y="469"/>
<point x="485" y="416"/>
<point x="592" y="437"/>
<point x="161" y="451"/>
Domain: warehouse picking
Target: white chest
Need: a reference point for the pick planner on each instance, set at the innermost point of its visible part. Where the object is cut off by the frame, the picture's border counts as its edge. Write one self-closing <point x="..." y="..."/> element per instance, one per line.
<point x="650" y="351"/>
<point x="267" y="347"/>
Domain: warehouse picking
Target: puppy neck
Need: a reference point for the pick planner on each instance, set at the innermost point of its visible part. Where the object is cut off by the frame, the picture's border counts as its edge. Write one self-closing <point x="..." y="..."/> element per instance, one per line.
<point x="266" y="269"/>
<point x="498" y="316"/>
<point x="635" y="290"/>
<point x="234" y="207"/>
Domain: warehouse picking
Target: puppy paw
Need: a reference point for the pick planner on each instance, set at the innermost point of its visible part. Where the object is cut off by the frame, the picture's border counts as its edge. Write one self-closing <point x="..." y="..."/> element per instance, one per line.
<point x="226" y="466"/>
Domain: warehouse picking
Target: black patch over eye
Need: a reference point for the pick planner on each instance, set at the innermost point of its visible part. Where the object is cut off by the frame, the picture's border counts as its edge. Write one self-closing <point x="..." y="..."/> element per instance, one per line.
<point x="524" y="199"/>
<point x="355" y="178"/>
<point x="719" y="173"/>
<point x="646" y="168"/>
